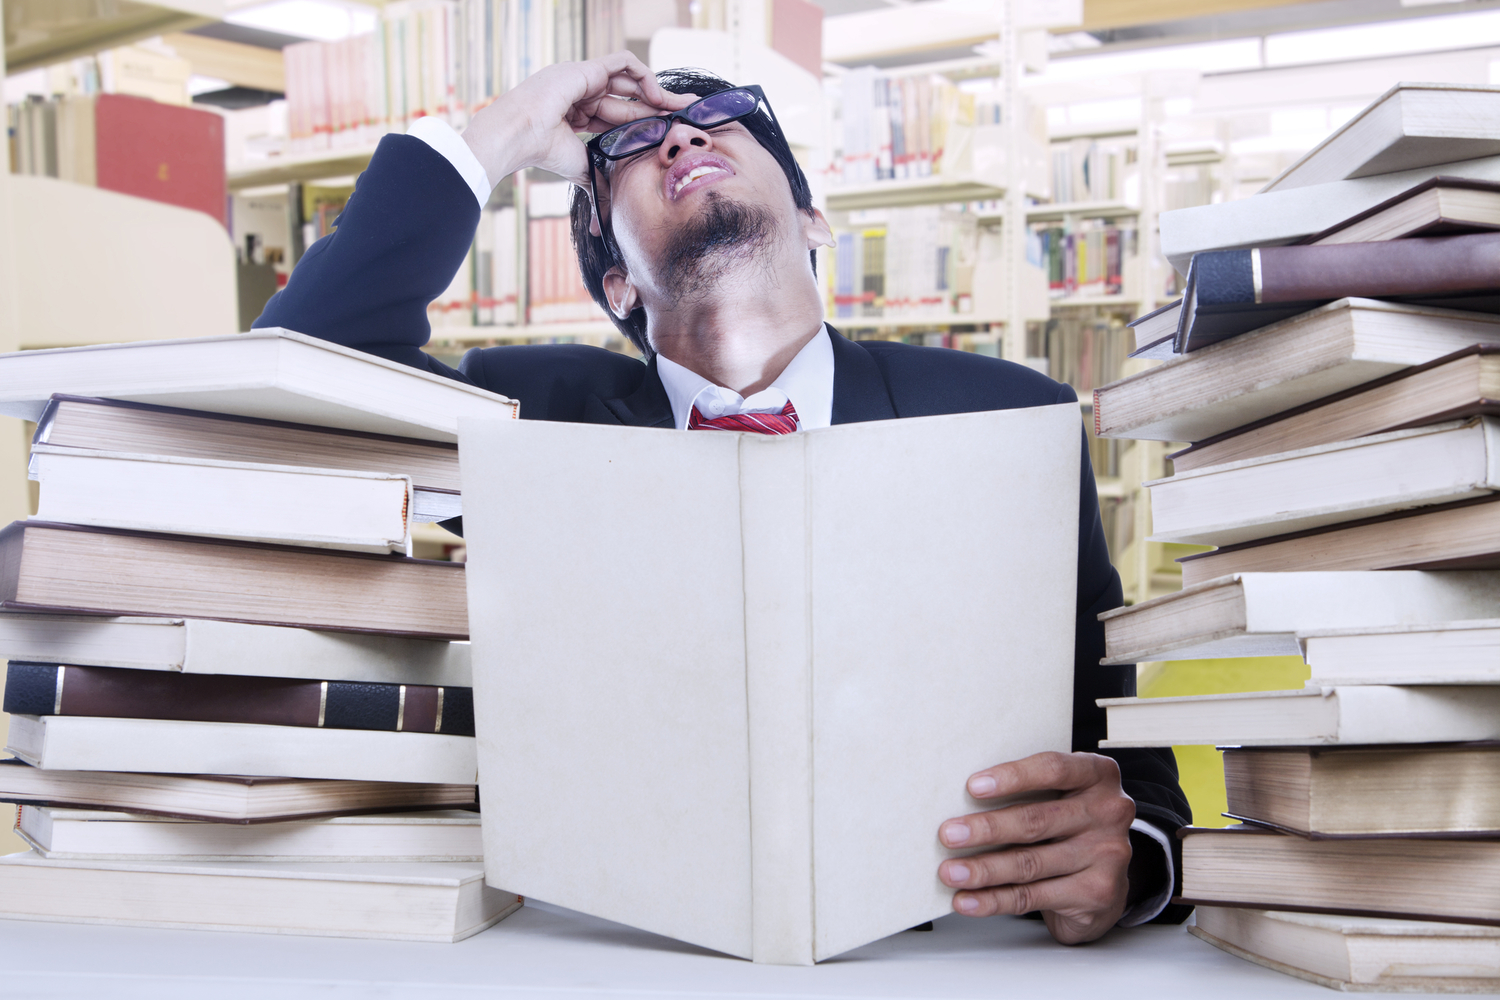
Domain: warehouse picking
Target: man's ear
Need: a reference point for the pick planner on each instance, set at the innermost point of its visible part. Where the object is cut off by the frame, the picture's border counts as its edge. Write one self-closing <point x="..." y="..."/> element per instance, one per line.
<point x="620" y="292"/>
<point x="815" y="227"/>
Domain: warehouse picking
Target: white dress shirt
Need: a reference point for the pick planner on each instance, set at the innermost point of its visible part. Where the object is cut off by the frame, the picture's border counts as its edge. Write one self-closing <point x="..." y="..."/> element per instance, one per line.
<point x="807" y="382"/>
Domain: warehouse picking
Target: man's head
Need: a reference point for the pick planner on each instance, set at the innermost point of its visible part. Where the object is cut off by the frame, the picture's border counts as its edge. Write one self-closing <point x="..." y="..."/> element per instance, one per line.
<point x="677" y="216"/>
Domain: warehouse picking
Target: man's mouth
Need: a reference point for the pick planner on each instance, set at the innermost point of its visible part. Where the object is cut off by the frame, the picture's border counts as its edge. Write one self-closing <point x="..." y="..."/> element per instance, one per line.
<point x="695" y="172"/>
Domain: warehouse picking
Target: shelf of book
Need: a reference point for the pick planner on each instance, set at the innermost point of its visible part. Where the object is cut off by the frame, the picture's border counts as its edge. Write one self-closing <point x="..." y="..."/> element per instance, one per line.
<point x="299" y="169"/>
<point x="935" y="190"/>
<point x="1081" y="209"/>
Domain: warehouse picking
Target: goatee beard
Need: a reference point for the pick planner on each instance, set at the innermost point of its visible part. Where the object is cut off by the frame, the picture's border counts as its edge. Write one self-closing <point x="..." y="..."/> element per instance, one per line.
<point x="700" y="253"/>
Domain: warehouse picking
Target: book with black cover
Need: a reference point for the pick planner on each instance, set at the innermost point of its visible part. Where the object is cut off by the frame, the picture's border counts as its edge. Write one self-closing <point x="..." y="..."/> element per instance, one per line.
<point x="111" y="692"/>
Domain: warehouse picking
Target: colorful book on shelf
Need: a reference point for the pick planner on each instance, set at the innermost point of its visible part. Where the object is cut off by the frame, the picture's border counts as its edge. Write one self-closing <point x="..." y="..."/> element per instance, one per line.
<point x="1453" y="652"/>
<point x="1460" y="535"/>
<point x="283" y="504"/>
<point x="171" y="746"/>
<point x="766" y="665"/>
<point x="1260" y="614"/>
<point x="407" y="901"/>
<point x="1356" y="715"/>
<point x="114" y="425"/>
<point x="1442" y="790"/>
<point x="67" y="568"/>
<point x="1411" y="125"/>
<point x="65" y="834"/>
<point x="1463" y="384"/>
<point x="1412" y="878"/>
<point x="116" y="693"/>
<point x="1328" y="484"/>
<point x="206" y="646"/>
<point x="1231" y="292"/>
<point x="1378" y="954"/>
<point x="220" y="798"/>
<point x="1297" y="361"/>
<point x="271" y="374"/>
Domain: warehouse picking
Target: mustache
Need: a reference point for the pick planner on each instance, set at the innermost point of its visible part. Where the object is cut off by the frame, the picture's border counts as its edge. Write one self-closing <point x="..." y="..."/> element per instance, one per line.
<point x="699" y="253"/>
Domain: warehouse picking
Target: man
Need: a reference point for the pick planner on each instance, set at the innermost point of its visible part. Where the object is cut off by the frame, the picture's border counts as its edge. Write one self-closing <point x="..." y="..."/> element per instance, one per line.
<point x="695" y="230"/>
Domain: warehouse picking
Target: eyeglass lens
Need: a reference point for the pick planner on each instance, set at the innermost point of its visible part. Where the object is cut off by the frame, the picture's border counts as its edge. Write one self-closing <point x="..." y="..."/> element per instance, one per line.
<point x="715" y="109"/>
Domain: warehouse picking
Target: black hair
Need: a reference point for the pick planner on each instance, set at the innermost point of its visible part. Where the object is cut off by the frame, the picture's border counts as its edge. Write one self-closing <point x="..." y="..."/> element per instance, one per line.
<point x="596" y="255"/>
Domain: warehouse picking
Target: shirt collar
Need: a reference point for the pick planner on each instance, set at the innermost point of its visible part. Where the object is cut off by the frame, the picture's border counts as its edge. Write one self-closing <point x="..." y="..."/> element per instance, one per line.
<point x="807" y="381"/>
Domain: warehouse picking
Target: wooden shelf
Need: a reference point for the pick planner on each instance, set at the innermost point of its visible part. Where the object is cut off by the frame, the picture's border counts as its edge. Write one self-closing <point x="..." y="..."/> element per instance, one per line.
<point x="1088" y="209"/>
<point x="42" y="32"/>
<point x="923" y="191"/>
<point x="465" y="337"/>
<point x="893" y="322"/>
<point x="1096" y="300"/>
<point x="290" y="169"/>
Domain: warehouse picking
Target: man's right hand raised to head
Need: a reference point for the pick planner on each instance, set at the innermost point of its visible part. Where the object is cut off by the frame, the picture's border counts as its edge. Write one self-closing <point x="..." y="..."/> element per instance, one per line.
<point x="535" y="123"/>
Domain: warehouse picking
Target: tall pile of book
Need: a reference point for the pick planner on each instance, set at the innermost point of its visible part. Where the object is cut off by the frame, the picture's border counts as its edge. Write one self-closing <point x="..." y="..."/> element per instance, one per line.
<point x="236" y="702"/>
<point x="1339" y="396"/>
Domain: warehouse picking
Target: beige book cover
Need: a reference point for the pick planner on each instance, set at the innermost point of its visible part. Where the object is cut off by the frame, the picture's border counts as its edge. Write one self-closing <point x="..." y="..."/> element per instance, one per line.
<point x="727" y="686"/>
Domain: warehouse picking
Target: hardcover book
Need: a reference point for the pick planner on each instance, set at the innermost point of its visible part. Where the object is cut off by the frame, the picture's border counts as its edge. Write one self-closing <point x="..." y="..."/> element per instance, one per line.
<point x="801" y="659"/>
<point x="270" y="374"/>
<point x="1453" y="652"/>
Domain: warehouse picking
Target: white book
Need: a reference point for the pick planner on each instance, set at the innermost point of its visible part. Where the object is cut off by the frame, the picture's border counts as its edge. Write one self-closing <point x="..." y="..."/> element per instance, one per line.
<point x="1315" y="354"/>
<point x="321" y="508"/>
<point x="812" y="660"/>
<point x="1377" y="954"/>
<point x="1328" y="484"/>
<point x="1410" y="126"/>
<point x="1457" y="652"/>
<point x="205" y="646"/>
<point x="1275" y="218"/>
<point x="1260" y="614"/>
<point x="272" y="373"/>
<point x="406" y="901"/>
<point x="1346" y="715"/>
<point x="86" y="743"/>
<point x="95" y="834"/>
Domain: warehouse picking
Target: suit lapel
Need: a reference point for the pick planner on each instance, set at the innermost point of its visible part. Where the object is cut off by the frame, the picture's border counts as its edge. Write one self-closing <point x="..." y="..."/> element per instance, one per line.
<point x="859" y="390"/>
<point x="648" y="406"/>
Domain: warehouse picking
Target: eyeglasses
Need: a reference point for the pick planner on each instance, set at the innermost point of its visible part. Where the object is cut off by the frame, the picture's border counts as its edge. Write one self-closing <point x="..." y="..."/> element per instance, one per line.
<point x="632" y="138"/>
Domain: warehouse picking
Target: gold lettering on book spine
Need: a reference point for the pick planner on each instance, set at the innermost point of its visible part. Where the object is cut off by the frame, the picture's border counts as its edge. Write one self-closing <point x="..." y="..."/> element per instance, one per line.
<point x="57" y="699"/>
<point x="437" y="726"/>
<point x="322" y="702"/>
<point x="401" y="708"/>
<point x="1255" y="272"/>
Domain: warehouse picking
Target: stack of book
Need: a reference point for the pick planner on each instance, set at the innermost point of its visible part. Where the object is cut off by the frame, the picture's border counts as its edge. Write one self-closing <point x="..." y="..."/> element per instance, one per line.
<point x="1339" y="397"/>
<point x="236" y="702"/>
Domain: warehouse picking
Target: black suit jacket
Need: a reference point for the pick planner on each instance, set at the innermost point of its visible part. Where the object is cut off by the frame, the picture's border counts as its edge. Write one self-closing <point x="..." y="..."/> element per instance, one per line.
<point x="408" y="228"/>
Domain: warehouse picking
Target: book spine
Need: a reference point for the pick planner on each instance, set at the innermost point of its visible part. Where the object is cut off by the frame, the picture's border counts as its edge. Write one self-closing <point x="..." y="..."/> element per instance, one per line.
<point x="778" y="637"/>
<point x="111" y="692"/>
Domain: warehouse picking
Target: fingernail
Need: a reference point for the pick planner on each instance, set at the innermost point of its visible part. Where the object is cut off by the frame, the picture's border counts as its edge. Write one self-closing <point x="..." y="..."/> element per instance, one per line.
<point x="966" y="904"/>
<point x="958" y="873"/>
<point x="981" y="785"/>
<point x="956" y="833"/>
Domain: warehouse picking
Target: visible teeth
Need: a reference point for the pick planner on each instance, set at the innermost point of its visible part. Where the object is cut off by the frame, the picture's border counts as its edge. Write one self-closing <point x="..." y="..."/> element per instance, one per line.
<point x="702" y="170"/>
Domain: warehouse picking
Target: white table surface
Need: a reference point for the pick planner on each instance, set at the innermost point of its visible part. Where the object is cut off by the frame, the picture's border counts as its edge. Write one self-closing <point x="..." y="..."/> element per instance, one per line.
<point x="546" y="952"/>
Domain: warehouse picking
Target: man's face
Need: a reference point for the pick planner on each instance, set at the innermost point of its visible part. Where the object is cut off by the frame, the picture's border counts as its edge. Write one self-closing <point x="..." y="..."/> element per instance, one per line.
<point x="682" y="211"/>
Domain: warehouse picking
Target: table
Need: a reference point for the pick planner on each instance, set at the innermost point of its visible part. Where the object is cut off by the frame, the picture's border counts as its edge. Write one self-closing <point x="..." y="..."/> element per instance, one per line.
<point x="548" y="952"/>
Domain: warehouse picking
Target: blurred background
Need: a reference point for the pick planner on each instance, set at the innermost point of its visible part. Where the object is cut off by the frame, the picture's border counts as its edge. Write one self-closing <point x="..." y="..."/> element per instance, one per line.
<point x="994" y="170"/>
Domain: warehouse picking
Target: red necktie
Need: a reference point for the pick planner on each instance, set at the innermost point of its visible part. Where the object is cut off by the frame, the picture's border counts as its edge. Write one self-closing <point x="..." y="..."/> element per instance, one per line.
<point x="784" y="422"/>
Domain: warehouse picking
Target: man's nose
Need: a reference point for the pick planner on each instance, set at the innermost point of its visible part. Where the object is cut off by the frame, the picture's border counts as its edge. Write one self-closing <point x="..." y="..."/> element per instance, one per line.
<point x="680" y="138"/>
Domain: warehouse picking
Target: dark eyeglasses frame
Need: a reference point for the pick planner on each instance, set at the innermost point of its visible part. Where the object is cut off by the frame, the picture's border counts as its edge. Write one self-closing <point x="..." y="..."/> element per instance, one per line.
<point x="598" y="158"/>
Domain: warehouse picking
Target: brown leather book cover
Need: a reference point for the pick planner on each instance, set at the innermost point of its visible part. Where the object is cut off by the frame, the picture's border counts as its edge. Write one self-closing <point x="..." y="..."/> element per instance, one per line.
<point x="63" y="567"/>
<point x="112" y="692"/>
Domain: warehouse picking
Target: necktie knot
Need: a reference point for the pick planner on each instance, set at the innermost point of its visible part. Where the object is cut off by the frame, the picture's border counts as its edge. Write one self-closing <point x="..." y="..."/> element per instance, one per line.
<point x="784" y="422"/>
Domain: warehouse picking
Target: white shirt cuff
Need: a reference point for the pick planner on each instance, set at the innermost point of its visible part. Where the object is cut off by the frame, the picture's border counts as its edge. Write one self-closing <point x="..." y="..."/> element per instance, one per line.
<point x="1147" y="909"/>
<point x="450" y="146"/>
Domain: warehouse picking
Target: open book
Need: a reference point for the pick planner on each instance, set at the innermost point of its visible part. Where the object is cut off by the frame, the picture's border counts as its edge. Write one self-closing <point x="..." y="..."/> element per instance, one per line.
<point x="728" y="685"/>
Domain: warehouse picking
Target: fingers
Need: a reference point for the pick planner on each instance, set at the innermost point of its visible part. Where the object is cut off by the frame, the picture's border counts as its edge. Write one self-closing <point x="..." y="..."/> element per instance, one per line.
<point x="1015" y="866"/>
<point x="1037" y="821"/>
<point x="1043" y="771"/>
<point x="630" y="77"/>
<point x="1078" y="907"/>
